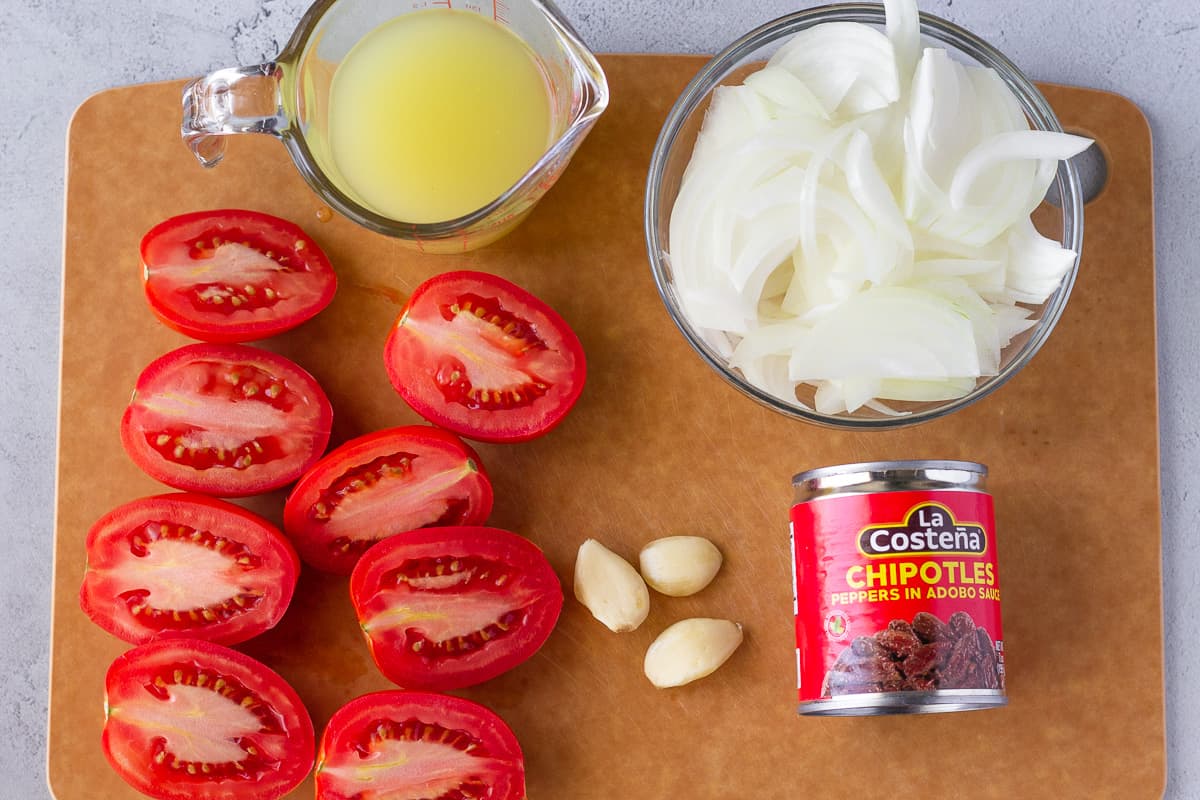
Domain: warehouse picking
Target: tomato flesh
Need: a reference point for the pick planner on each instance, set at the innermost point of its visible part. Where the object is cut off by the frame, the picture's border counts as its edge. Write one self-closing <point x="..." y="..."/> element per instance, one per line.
<point x="232" y="276"/>
<point x="445" y="608"/>
<point x="482" y="357"/>
<point x="227" y="420"/>
<point x="190" y="719"/>
<point x="413" y="745"/>
<point x="382" y="484"/>
<point x="186" y="565"/>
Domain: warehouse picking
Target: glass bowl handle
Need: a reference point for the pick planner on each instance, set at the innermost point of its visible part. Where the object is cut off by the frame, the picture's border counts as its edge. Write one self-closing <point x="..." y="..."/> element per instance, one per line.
<point x="230" y="101"/>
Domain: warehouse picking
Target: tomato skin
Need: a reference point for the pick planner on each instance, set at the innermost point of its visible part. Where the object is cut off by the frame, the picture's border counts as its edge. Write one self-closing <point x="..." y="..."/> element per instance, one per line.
<point x="187" y="281"/>
<point x="480" y="356"/>
<point x="407" y="590"/>
<point x="145" y="701"/>
<point x="126" y="537"/>
<point x="441" y="476"/>
<point x="502" y="770"/>
<point x="199" y="410"/>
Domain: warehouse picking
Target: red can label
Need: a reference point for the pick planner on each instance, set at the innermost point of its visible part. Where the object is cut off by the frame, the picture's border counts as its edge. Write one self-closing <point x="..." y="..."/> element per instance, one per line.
<point x="896" y="591"/>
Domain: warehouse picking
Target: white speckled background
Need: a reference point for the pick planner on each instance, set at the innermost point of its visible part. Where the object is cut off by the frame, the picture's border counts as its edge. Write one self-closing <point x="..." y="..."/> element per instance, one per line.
<point x="54" y="53"/>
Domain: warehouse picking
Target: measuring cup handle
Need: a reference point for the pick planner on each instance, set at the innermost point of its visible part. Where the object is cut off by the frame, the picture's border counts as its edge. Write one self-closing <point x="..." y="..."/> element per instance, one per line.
<point x="229" y="101"/>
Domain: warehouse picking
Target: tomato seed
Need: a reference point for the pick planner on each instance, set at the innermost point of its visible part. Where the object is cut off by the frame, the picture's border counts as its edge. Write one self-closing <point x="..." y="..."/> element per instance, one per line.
<point x="393" y="465"/>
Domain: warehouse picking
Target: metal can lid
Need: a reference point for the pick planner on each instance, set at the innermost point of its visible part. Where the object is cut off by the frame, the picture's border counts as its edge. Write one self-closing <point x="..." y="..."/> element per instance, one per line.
<point x="891" y="476"/>
<point x="880" y="703"/>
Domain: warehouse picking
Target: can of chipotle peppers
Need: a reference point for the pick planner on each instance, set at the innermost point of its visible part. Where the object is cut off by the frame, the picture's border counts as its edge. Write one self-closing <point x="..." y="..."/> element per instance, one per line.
<point x="897" y="594"/>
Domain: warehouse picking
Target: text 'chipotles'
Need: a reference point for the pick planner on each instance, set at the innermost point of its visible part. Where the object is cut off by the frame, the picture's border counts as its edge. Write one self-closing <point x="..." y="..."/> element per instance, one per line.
<point x="897" y="590"/>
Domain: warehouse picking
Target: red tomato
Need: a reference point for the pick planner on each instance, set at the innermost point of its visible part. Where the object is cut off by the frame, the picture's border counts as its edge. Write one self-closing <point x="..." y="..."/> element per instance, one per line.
<point x="191" y="720"/>
<point x="227" y="420"/>
<point x="484" y="358"/>
<point x="409" y="744"/>
<point x="444" y="608"/>
<point x="382" y="484"/>
<point x="233" y="276"/>
<point x="186" y="565"/>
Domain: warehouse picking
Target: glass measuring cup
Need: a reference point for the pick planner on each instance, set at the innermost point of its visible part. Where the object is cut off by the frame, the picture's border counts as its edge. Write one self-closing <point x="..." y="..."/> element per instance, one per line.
<point x="289" y="98"/>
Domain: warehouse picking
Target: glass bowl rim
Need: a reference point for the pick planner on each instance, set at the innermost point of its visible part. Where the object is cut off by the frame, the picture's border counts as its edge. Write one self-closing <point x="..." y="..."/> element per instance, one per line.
<point x="1032" y="102"/>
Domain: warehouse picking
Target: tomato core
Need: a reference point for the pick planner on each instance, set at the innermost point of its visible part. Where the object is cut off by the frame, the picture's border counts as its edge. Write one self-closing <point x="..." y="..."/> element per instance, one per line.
<point x="165" y="686"/>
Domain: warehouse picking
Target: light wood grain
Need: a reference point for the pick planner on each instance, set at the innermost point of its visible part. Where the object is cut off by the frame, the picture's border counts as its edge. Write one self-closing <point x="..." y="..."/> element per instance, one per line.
<point x="659" y="445"/>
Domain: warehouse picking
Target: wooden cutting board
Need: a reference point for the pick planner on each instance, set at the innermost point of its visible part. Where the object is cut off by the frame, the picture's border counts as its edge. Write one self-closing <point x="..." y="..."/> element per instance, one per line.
<point x="659" y="445"/>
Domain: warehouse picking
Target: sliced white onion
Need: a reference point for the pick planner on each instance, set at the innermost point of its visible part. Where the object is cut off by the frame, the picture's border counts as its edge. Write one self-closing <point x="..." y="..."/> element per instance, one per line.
<point x="904" y="30"/>
<point x="871" y="192"/>
<point x="711" y="310"/>
<point x="733" y="116"/>
<point x="943" y="115"/>
<point x="925" y="391"/>
<point x="883" y="408"/>
<point x="930" y="245"/>
<point x="855" y="219"/>
<point x="999" y="111"/>
<point x="1011" y="321"/>
<point x="1006" y="147"/>
<point x="889" y="331"/>
<point x="956" y="267"/>
<point x="850" y="68"/>
<point x="1037" y="265"/>
<point x="790" y="95"/>
<point x="767" y="340"/>
<point x="984" y="277"/>
<point x="968" y="303"/>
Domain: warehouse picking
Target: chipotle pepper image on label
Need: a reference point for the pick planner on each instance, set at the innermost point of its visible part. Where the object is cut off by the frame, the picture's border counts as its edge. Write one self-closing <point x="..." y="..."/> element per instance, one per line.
<point x="897" y="594"/>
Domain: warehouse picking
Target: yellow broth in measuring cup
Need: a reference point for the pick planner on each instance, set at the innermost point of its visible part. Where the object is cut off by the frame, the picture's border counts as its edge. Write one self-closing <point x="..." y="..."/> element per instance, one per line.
<point x="439" y="125"/>
<point x="435" y="114"/>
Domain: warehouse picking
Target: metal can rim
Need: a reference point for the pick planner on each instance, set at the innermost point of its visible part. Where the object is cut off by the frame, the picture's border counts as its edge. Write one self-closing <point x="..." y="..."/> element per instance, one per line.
<point x="886" y="703"/>
<point x="890" y="466"/>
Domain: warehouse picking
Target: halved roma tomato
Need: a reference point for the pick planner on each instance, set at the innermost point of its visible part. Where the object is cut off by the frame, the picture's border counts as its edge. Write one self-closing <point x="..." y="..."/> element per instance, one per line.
<point x="227" y="420"/>
<point x="186" y="565"/>
<point x="382" y="484"/>
<point x="191" y="720"/>
<point x="484" y="358"/>
<point x="410" y="745"/>
<point x="444" y="608"/>
<point x="232" y="276"/>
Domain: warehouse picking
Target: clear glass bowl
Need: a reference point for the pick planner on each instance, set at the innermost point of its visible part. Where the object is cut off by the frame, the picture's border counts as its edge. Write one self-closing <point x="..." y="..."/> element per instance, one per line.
<point x="674" y="150"/>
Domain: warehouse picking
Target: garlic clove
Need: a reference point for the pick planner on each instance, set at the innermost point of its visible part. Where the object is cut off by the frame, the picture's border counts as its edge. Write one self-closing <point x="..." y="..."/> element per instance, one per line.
<point x="679" y="566"/>
<point x="610" y="587"/>
<point x="690" y="650"/>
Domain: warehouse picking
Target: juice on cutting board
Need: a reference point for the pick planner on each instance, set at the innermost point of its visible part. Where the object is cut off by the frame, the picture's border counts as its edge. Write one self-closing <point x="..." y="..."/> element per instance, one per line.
<point x="436" y="113"/>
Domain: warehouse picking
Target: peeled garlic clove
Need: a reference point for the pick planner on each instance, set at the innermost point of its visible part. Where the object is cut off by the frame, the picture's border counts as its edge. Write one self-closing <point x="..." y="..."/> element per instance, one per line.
<point x="690" y="650"/>
<point x="610" y="587"/>
<point x="678" y="566"/>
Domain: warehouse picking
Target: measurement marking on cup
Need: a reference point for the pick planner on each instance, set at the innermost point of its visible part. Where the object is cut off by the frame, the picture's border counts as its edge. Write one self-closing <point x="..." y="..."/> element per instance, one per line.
<point x="498" y="12"/>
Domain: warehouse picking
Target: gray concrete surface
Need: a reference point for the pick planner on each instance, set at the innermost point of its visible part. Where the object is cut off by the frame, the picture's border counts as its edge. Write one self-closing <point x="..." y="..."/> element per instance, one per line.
<point x="54" y="53"/>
